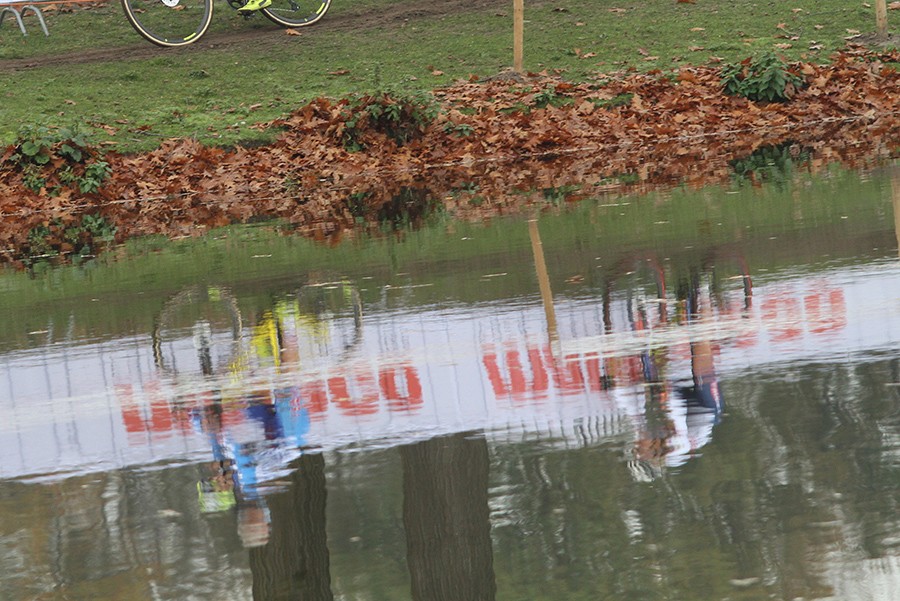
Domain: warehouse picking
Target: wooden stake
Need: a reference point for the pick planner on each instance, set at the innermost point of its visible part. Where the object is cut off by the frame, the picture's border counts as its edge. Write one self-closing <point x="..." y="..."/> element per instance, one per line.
<point x="540" y="267"/>
<point x="518" y="33"/>
<point x="881" y="24"/>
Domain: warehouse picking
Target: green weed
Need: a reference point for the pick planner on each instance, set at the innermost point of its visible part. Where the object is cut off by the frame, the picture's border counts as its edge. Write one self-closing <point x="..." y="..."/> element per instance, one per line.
<point x="549" y="97"/>
<point x="40" y="147"/>
<point x="764" y="78"/>
<point x="462" y="130"/>
<point x="400" y="117"/>
<point x="616" y="101"/>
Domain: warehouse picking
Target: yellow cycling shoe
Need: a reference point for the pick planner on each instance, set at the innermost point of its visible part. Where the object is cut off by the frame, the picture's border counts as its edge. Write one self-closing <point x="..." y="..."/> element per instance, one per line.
<point x="253" y="5"/>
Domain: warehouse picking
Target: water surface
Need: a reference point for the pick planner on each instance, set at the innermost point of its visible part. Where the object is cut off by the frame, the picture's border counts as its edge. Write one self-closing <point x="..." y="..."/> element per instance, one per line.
<point x="692" y="395"/>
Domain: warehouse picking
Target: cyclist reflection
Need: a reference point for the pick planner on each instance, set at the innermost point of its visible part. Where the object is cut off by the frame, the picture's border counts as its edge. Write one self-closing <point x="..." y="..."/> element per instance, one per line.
<point x="253" y="438"/>
<point x="677" y="420"/>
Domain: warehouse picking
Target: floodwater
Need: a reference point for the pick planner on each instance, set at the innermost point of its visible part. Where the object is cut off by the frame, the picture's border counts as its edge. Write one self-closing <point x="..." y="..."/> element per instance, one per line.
<point x="692" y="395"/>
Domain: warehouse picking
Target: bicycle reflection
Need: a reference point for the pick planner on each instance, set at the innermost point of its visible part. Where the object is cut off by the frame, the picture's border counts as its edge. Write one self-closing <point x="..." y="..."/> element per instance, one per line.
<point x="256" y="428"/>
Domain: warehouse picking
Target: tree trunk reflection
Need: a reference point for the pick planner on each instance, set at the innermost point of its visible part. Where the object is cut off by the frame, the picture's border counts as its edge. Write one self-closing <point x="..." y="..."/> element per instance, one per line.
<point x="447" y="519"/>
<point x="295" y="563"/>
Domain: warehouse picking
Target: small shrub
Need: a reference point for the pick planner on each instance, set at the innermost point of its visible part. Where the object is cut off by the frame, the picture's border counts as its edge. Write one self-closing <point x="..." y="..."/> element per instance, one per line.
<point x="291" y="185"/>
<point x="545" y="98"/>
<point x="552" y="96"/>
<point x="616" y="101"/>
<point x="93" y="177"/>
<point x="461" y="130"/>
<point x="402" y="118"/>
<point x="99" y="228"/>
<point x="52" y="158"/>
<point x="765" y="78"/>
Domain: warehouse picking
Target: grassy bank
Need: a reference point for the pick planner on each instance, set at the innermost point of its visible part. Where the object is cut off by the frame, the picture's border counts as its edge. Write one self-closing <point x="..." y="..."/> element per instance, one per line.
<point x="216" y="90"/>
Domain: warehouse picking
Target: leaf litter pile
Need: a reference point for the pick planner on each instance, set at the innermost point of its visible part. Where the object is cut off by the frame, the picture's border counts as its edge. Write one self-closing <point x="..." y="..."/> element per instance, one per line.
<point x="477" y="149"/>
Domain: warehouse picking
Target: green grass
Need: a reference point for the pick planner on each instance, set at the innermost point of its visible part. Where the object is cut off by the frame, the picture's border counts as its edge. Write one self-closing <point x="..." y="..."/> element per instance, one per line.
<point x="216" y="93"/>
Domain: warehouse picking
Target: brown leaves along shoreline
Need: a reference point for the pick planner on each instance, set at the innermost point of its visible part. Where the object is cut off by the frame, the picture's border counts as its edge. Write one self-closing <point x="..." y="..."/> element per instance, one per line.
<point x="337" y="163"/>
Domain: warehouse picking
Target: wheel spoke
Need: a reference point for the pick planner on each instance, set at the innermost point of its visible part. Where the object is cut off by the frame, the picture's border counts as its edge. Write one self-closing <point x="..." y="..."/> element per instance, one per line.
<point x="169" y="22"/>
<point x="296" y="13"/>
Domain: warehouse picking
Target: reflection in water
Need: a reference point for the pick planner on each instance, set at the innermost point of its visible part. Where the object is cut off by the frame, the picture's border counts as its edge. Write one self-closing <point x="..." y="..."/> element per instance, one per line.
<point x="446" y="519"/>
<point x="677" y="420"/>
<point x="201" y="309"/>
<point x="286" y="444"/>
<point x="407" y="207"/>
<point x="771" y="164"/>
<point x="294" y="563"/>
<point x="895" y="190"/>
<point x="256" y="431"/>
<point x="540" y="268"/>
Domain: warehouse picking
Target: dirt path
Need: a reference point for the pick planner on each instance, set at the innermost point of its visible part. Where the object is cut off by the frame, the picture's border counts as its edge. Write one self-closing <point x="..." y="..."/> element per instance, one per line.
<point x="360" y="20"/>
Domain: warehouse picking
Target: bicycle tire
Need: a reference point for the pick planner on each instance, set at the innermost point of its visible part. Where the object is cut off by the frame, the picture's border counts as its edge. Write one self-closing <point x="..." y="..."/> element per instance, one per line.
<point x="212" y="307"/>
<point x="169" y="23"/>
<point x="296" y="13"/>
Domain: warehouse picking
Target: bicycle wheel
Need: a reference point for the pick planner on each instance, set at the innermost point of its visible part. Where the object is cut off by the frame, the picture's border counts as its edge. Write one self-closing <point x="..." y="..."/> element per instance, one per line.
<point x="296" y="13"/>
<point x="169" y="23"/>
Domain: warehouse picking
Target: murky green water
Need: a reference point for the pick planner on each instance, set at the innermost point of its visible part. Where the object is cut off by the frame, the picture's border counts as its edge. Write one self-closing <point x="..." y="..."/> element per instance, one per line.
<point x="685" y="396"/>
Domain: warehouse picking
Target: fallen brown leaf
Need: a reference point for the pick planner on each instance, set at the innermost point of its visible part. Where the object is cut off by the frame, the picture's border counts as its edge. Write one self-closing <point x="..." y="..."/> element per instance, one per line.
<point x="673" y="131"/>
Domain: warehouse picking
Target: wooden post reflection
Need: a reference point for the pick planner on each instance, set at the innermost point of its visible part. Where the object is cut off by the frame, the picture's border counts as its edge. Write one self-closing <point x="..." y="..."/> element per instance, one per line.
<point x="895" y="192"/>
<point x="447" y="519"/>
<point x="294" y="564"/>
<point x="537" y="248"/>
